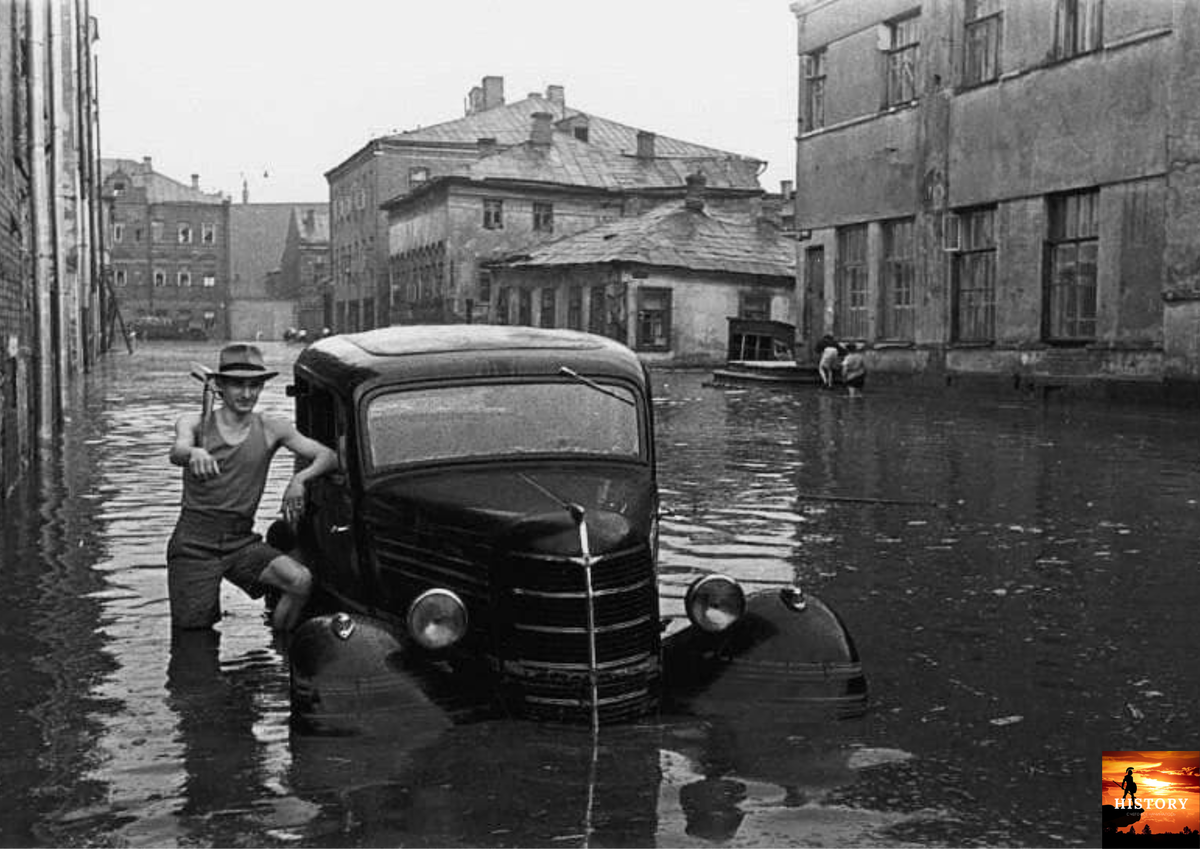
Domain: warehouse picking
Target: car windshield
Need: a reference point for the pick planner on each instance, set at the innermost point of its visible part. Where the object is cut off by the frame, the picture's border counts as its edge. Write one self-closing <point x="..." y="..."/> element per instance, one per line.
<point x="488" y="420"/>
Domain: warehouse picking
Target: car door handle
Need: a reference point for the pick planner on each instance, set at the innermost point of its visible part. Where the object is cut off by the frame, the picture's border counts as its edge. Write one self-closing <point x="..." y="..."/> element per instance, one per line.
<point x="338" y="529"/>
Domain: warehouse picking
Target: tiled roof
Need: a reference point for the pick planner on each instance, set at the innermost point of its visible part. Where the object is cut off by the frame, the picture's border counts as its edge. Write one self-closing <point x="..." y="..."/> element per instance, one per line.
<point x="509" y="124"/>
<point x="313" y="228"/>
<point x="159" y="189"/>
<point x="571" y="162"/>
<point x="671" y="235"/>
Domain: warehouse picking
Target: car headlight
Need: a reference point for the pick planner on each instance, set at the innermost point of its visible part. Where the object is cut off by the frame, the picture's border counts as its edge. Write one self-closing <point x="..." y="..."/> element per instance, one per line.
<point x="714" y="603"/>
<point x="437" y="619"/>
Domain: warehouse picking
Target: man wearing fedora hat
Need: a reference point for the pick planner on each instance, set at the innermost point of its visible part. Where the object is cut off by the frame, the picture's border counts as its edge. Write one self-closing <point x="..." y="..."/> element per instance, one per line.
<point x="225" y="457"/>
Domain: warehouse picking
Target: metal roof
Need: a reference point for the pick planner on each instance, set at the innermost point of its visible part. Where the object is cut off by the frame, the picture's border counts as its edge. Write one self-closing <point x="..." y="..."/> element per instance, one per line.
<point x="672" y="235"/>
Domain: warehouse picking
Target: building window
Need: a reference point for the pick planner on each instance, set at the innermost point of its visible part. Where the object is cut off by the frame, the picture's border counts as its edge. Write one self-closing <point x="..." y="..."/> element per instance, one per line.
<point x="981" y="41"/>
<point x="208" y="233"/>
<point x="1077" y="27"/>
<point x="549" y="308"/>
<point x="160" y="278"/>
<point x="502" y="301"/>
<point x="597" y="311"/>
<point x="137" y="234"/>
<point x="493" y="213"/>
<point x="183" y="279"/>
<point x="575" y="308"/>
<point x="418" y="175"/>
<point x="654" y="320"/>
<point x="581" y="133"/>
<point x="814" y="90"/>
<point x="903" y="39"/>
<point x="484" y="286"/>
<point x="754" y="305"/>
<point x="156" y="231"/>
<point x="120" y="278"/>
<point x="118" y="232"/>
<point x="524" y="307"/>
<point x="973" y="276"/>
<point x="185" y="233"/>
<point x="210" y="281"/>
<point x="851" y="318"/>
<point x="898" y="279"/>
<point x="1072" y="249"/>
<point x="543" y="217"/>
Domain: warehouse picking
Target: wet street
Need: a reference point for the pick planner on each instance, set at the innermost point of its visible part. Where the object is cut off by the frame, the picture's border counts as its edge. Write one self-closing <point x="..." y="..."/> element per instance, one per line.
<point x="1020" y="580"/>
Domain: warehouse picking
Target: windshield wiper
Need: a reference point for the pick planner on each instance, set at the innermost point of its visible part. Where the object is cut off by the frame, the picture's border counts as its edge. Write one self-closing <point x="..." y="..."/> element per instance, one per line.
<point x="574" y="375"/>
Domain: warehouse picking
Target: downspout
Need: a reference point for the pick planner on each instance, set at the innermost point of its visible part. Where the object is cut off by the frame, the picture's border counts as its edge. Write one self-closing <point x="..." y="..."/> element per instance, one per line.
<point x="65" y="350"/>
<point x="40" y="214"/>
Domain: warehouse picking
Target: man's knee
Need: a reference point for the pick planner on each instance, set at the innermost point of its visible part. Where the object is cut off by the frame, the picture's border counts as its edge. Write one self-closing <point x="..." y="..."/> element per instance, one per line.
<point x="289" y="575"/>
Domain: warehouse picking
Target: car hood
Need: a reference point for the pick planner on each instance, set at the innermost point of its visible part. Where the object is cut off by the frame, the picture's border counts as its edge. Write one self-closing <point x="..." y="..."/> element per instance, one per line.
<point x="527" y="509"/>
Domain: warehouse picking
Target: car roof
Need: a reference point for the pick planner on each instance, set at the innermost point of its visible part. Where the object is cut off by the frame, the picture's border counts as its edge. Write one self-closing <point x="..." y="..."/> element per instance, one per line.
<point x="462" y="351"/>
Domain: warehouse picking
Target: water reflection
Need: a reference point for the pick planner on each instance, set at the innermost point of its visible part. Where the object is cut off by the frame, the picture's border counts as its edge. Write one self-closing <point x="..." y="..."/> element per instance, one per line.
<point x="1014" y="576"/>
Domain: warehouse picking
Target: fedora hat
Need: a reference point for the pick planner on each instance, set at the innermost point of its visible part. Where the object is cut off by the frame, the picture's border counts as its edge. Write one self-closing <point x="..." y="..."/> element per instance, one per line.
<point x="244" y="362"/>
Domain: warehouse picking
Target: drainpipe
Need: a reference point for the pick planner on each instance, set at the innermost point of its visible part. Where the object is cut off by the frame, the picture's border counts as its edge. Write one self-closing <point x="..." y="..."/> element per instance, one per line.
<point x="58" y="187"/>
<point x="40" y="215"/>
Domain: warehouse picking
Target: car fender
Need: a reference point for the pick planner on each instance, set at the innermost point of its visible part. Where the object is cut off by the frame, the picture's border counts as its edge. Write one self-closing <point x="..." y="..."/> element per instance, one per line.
<point x="789" y="652"/>
<point x="348" y="676"/>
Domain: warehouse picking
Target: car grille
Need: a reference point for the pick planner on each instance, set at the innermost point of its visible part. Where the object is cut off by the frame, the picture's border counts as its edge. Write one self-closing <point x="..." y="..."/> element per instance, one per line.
<point x="546" y="647"/>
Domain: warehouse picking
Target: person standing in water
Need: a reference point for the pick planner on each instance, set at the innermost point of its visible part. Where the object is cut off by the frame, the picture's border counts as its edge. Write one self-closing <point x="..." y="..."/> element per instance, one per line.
<point x="225" y="457"/>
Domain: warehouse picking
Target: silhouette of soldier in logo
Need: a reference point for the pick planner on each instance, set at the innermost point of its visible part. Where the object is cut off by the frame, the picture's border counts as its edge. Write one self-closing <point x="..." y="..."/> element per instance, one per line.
<point x="1127" y="783"/>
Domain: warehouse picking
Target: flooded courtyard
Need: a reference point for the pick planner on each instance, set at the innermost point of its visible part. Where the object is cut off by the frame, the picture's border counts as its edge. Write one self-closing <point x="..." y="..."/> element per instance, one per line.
<point x="1020" y="580"/>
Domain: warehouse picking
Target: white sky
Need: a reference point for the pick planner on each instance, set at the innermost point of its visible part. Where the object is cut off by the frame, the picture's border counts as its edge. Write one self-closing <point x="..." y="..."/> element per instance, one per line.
<point x="291" y="88"/>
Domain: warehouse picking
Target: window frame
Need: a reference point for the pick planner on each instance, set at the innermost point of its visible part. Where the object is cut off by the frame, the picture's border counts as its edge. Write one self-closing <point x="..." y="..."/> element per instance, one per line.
<point x="852" y="310"/>
<point x="543" y="217"/>
<point x="981" y="64"/>
<point x="1078" y="28"/>
<point x="973" y="277"/>
<point x="899" y="57"/>
<point x="493" y="213"/>
<point x="898" y="279"/>
<point x="208" y="233"/>
<point x="1071" y="291"/>
<point x="183" y="232"/>
<point x="548" y="307"/>
<point x="654" y="324"/>
<point x="183" y="279"/>
<point x="815" y="72"/>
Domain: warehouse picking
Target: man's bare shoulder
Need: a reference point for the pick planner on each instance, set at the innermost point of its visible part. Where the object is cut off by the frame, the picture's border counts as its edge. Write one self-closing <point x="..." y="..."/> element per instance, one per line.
<point x="278" y="427"/>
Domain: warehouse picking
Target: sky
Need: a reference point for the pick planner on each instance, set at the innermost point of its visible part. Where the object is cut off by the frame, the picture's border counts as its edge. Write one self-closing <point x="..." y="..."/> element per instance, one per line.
<point x="1158" y="775"/>
<point x="277" y="92"/>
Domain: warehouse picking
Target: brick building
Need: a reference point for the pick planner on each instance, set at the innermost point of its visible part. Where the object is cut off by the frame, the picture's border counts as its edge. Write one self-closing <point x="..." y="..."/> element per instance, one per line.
<point x="52" y="298"/>
<point x="390" y="167"/>
<point x="170" y="252"/>
<point x="304" y="270"/>
<point x="1003" y="190"/>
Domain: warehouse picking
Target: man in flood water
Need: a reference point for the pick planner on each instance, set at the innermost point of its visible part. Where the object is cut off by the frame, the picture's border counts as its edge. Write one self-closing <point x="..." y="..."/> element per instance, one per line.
<point x="225" y="457"/>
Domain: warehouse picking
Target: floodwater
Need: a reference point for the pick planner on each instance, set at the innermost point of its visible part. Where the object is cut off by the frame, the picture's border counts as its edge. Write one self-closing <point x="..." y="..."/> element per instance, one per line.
<point x="1020" y="580"/>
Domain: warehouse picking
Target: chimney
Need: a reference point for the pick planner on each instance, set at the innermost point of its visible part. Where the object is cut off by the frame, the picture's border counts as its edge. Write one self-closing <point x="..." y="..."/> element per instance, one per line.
<point x="694" y="199"/>
<point x="474" y="100"/>
<point x="245" y="192"/>
<point x="196" y="182"/>
<point x="543" y="129"/>
<point x="147" y="163"/>
<point x="556" y="95"/>
<point x="645" y="144"/>
<point x="493" y="92"/>
<point x="785" y="189"/>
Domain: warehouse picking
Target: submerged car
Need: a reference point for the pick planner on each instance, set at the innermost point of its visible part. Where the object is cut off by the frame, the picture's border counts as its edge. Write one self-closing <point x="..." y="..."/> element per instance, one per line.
<point x="491" y="539"/>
